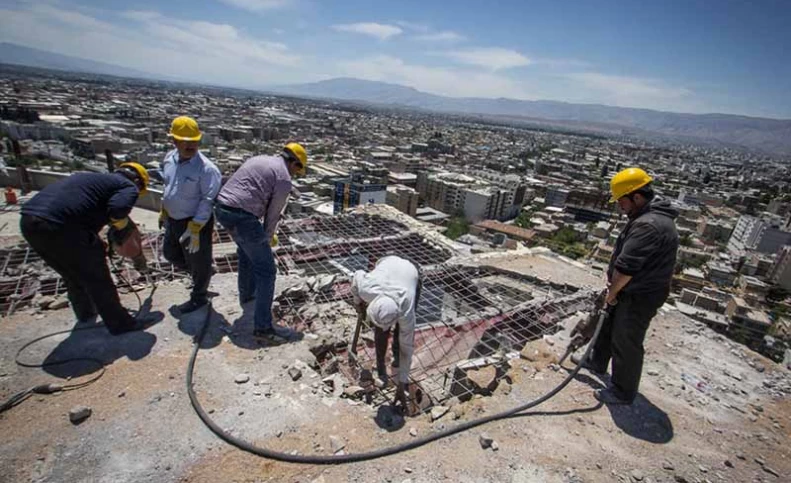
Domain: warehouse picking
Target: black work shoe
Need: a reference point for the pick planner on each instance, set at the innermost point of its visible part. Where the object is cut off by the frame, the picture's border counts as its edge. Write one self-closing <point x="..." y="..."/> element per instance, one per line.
<point x="612" y="396"/>
<point x="190" y="306"/>
<point x="269" y="336"/>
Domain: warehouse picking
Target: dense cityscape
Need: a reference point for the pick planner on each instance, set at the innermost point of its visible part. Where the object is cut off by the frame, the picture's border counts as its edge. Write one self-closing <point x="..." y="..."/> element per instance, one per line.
<point x="488" y="186"/>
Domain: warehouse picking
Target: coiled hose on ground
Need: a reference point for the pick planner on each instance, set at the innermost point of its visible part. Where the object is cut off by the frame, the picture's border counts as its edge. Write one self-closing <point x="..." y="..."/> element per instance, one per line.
<point x="351" y="458"/>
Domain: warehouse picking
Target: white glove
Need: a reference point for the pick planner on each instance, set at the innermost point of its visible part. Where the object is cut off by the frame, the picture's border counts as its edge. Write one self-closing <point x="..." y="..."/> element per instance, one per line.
<point x="192" y="236"/>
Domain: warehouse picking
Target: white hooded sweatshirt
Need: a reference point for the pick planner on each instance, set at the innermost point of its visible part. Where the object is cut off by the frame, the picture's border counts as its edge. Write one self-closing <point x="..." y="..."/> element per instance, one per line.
<point x="390" y="290"/>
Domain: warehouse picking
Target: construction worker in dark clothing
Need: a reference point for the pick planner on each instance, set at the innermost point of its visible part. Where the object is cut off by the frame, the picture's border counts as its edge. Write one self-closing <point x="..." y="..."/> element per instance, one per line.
<point x="639" y="276"/>
<point x="62" y="223"/>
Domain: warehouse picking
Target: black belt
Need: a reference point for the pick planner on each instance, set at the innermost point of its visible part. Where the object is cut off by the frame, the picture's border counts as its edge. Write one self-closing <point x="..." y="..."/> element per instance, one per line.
<point x="233" y="209"/>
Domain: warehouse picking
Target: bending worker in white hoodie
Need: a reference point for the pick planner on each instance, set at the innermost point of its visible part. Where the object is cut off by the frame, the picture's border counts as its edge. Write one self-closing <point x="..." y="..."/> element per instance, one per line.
<point x="388" y="295"/>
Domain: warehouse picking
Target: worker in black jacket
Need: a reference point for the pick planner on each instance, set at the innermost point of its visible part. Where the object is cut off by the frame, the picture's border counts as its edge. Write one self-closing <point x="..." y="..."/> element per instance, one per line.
<point x="62" y="223"/>
<point x="639" y="276"/>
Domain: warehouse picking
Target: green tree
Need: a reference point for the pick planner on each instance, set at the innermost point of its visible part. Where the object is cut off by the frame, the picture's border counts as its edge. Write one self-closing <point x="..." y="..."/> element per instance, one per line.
<point x="457" y="226"/>
<point x="523" y="220"/>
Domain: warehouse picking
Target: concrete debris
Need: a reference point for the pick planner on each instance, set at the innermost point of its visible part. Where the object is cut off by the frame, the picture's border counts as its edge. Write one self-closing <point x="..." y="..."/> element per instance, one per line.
<point x="321" y="283"/>
<point x="45" y="302"/>
<point x="485" y="440"/>
<point x="322" y="346"/>
<point x="354" y="392"/>
<point x="336" y="383"/>
<point x="79" y="414"/>
<point x="637" y="475"/>
<point x="53" y="303"/>
<point x="241" y="378"/>
<point x="413" y="432"/>
<point x="336" y="444"/>
<point x="296" y="292"/>
<point x="294" y="373"/>
<point x="495" y="446"/>
<point x="484" y="380"/>
<point x="438" y="411"/>
<point x="331" y="367"/>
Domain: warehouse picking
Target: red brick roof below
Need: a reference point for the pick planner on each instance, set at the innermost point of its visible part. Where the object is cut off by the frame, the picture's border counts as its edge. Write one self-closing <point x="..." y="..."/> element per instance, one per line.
<point x="510" y="230"/>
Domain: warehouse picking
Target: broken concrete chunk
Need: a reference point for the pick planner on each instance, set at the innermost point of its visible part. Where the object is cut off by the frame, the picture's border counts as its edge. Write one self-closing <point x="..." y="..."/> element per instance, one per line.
<point x="438" y="411"/>
<point x="354" y="392"/>
<point x="483" y="379"/>
<point x="46" y="301"/>
<point x="59" y="303"/>
<point x="79" y="414"/>
<point x="336" y="444"/>
<point x="294" y="373"/>
<point x="485" y="440"/>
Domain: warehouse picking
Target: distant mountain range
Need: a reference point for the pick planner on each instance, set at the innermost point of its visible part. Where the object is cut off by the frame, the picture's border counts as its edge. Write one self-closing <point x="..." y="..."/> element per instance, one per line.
<point x="28" y="56"/>
<point x="767" y="135"/>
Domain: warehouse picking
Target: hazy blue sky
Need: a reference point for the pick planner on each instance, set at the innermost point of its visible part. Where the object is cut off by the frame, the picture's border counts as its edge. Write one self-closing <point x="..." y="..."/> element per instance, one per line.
<point x="688" y="56"/>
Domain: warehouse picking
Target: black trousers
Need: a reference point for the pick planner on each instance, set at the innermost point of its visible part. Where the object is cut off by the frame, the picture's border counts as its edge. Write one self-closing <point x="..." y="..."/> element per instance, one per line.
<point x="198" y="264"/>
<point x="621" y="339"/>
<point x="78" y="255"/>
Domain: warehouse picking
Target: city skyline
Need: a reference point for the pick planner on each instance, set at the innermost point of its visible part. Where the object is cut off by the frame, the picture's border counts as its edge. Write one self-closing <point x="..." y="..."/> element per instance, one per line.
<point x="708" y="57"/>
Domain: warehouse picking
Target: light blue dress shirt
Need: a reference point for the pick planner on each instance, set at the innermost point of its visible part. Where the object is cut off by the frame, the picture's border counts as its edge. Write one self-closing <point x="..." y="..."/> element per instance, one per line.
<point x="190" y="186"/>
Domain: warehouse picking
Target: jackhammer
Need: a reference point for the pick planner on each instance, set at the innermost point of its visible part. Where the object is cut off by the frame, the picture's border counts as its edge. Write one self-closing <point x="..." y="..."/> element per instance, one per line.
<point x="583" y="332"/>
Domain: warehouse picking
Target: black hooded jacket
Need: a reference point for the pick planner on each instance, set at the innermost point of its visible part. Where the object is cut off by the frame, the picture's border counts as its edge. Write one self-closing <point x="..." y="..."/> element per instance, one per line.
<point x="646" y="248"/>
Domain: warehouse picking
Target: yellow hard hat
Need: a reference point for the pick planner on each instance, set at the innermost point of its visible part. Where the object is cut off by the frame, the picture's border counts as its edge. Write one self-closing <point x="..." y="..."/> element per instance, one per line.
<point x="141" y="172"/>
<point x="627" y="181"/>
<point x="185" y="128"/>
<point x="296" y="150"/>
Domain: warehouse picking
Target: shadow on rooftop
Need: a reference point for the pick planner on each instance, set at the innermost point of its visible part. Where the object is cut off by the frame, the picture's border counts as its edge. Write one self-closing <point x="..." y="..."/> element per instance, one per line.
<point x="643" y="420"/>
<point x="240" y="332"/>
<point x="389" y="418"/>
<point x="96" y="344"/>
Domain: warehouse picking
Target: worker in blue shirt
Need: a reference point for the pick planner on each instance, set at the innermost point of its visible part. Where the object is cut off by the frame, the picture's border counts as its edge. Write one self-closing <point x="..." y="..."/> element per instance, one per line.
<point x="191" y="183"/>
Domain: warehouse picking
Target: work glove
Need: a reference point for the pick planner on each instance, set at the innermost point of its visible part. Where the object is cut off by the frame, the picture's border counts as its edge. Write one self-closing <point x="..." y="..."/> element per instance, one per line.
<point x="192" y="236"/>
<point x="120" y="230"/>
<point x="274" y="241"/>
<point x="163" y="217"/>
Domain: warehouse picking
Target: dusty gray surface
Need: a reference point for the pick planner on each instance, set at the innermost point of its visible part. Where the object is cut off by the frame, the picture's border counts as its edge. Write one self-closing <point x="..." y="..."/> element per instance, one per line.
<point x="143" y="427"/>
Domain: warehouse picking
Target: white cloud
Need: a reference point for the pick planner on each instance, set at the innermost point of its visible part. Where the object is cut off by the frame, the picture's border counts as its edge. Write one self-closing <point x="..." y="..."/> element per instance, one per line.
<point x="632" y="91"/>
<point x="192" y="50"/>
<point x="492" y="58"/>
<point x="455" y="82"/>
<point x="414" y="26"/>
<point x="378" y="30"/>
<point x="443" y="36"/>
<point x="257" y="5"/>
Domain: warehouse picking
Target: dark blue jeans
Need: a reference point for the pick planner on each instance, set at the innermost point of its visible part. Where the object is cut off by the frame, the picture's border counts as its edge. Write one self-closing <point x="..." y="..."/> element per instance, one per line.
<point x="257" y="271"/>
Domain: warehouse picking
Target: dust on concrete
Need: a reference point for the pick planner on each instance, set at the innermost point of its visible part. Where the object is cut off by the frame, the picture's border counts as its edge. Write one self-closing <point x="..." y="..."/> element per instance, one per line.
<point x="143" y="427"/>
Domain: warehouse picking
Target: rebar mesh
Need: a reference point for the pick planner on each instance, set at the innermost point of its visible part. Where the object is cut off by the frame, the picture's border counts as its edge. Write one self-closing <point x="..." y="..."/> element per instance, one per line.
<point x="468" y="317"/>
